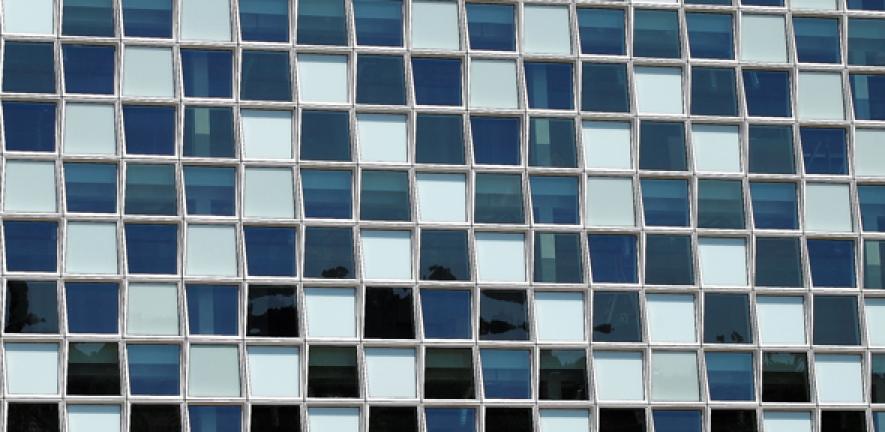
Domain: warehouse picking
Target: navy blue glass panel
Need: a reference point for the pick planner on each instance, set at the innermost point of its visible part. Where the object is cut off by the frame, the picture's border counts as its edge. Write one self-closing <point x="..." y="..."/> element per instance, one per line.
<point x="495" y="140"/>
<point x="602" y="31"/>
<point x="152" y="248"/>
<point x="30" y="246"/>
<point x="380" y="80"/>
<point x="677" y="421"/>
<point x="817" y="40"/>
<point x="212" y="309"/>
<point x="558" y="258"/>
<point x="720" y="204"/>
<point x="762" y="2"/>
<point x="727" y="318"/>
<point x="730" y="376"/>
<point x="378" y="22"/>
<point x="92" y="307"/>
<point x="867" y="94"/>
<point x="439" y="139"/>
<point x="824" y="150"/>
<point x="149" y="129"/>
<point x="866" y="42"/>
<point x="771" y="149"/>
<point x="321" y="22"/>
<point x="208" y="131"/>
<point x="147" y="18"/>
<point x="832" y="263"/>
<point x="491" y="26"/>
<point x="264" y="20"/>
<point x="767" y="93"/>
<point x="613" y="258"/>
<point x="872" y="207"/>
<point x="444" y="255"/>
<point x="668" y="260"/>
<point x="384" y="195"/>
<point x="552" y="142"/>
<point x="210" y="190"/>
<point x="604" y="87"/>
<point x="446" y="314"/>
<point x="328" y="253"/>
<point x="266" y="76"/>
<point x="656" y="33"/>
<point x="713" y="91"/>
<point x="29" y="126"/>
<point x="665" y="202"/>
<point x="778" y="262"/>
<point x="327" y="194"/>
<point x="867" y="5"/>
<point x="549" y="85"/>
<point x="498" y="199"/>
<point x="775" y="205"/>
<point x="555" y="199"/>
<point x="506" y="373"/>
<point x="28" y="67"/>
<point x="91" y="187"/>
<point x="154" y="369"/>
<point x="150" y="189"/>
<point x="662" y="146"/>
<point x="214" y="418"/>
<point x="450" y="419"/>
<point x="325" y="135"/>
<point x="437" y="80"/>
<point x="616" y="316"/>
<point x="270" y="251"/>
<point x="31" y="307"/>
<point x="207" y="73"/>
<point x="89" y="68"/>
<point x="710" y="35"/>
<point x="835" y="320"/>
<point x="88" y="18"/>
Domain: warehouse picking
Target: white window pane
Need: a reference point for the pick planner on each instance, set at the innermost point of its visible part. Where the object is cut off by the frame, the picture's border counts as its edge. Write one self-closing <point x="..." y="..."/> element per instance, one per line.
<point x="333" y="419"/>
<point x="387" y="254"/>
<point x="500" y="257"/>
<point x="606" y="144"/>
<point x="723" y="261"/>
<point x="153" y="309"/>
<point x="716" y="148"/>
<point x="441" y="197"/>
<point x="91" y="248"/>
<point x="493" y="84"/>
<point x="674" y="376"/>
<point x="827" y="207"/>
<point x="671" y="318"/>
<point x="322" y="78"/>
<point x="93" y="418"/>
<point x="89" y="129"/>
<point x="147" y="72"/>
<point x="31" y="368"/>
<point x="330" y="312"/>
<point x="813" y="4"/>
<point x="838" y="378"/>
<point x="30" y="186"/>
<point x="820" y="96"/>
<point x="869" y="152"/>
<point x="205" y="20"/>
<point x="618" y="375"/>
<point x="658" y="90"/>
<point x="875" y="315"/>
<point x="28" y="16"/>
<point x="274" y="371"/>
<point x="781" y="320"/>
<point x="786" y="421"/>
<point x="269" y="193"/>
<point x="564" y="420"/>
<point x="390" y="372"/>
<point x="211" y="250"/>
<point x="435" y="25"/>
<point x="214" y="370"/>
<point x="763" y="38"/>
<point x="559" y="316"/>
<point x="267" y="134"/>
<point x="382" y="137"/>
<point x="546" y="30"/>
<point x="610" y="201"/>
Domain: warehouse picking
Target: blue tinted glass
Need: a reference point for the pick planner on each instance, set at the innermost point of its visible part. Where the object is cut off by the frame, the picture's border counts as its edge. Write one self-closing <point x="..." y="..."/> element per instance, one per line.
<point x="662" y="146"/>
<point x="613" y="258"/>
<point x="30" y="246"/>
<point x="446" y="314"/>
<point x="264" y="20"/>
<point x="771" y="149"/>
<point x="325" y="135"/>
<point x="665" y="202"/>
<point x="210" y="190"/>
<point x="451" y="419"/>
<point x="270" y="251"/>
<point x="150" y="189"/>
<point x="439" y="139"/>
<point x="762" y="2"/>
<point x="727" y="318"/>
<point x="29" y="126"/>
<point x="149" y="129"/>
<point x="831" y="262"/>
<point x="444" y="255"/>
<point x="655" y="33"/>
<point x="775" y="205"/>
<point x="872" y="207"/>
<point x="88" y="18"/>
<point x="555" y="199"/>
<point x="604" y="87"/>
<point x="874" y="264"/>
<point x="491" y="27"/>
<point x="778" y="262"/>
<point x="207" y="73"/>
<point x="549" y="85"/>
<point x="208" y="131"/>
<point x="730" y="376"/>
<point x="384" y="195"/>
<point x="601" y="30"/>
<point x="668" y="260"/>
<point x="380" y="80"/>
<point x="552" y="142"/>
<point x="378" y="22"/>
<point x="212" y="309"/>
<point x="498" y="199"/>
<point x="767" y="93"/>
<point x="91" y="188"/>
<point x="89" y="68"/>
<point x="91" y="307"/>
<point x="328" y="253"/>
<point x="817" y="40"/>
<point x="326" y="194"/>
<point x="710" y="35"/>
<point x="824" y="150"/>
<point x="265" y="76"/>
<point x="677" y="421"/>
<point x="867" y="94"/>
<point x="31" y="307"/>
<point x="214" y="418"/>
<point x="835" y="320"/>
<point x="878" y="417"/>
<point x="321" y="22"/>
<point x="28" y="67"/>
<point x="720" y="204"/>
<point x="437" y="81"/>
<point x="506" y="373"/>
<point x="867" y="5"/>
<point x="495" y="140"/>
<point x="152" y="248"/>
<point x="713" y="91"/>
<point x="866" y="42"/>
<point x="616" y="316"/>
<point x="154" y="369"/>
<point x="558" y="258"/>
<point x="147" y="18"/>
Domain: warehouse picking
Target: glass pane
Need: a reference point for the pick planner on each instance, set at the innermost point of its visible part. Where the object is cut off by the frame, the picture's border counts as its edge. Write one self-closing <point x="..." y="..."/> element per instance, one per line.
<point x="214" y="370"/>
<point x="784" y="377"/>
<point x="658" y="90"/>
<point x="32" y="416"/>
<point x="843" y="421"/>
<point x="674" y="376"/>
<point x="30" y="245"/>
<point x="613" y="258"/>
<point x="662" y="146"/>
<point x="93" y="369"/>
<point x="730" y="376"/>
<point x="616" y="317"/>
<point x="874" y="264"/>
<point x="716" y="148"/>
<point x="444" y="255"/>
<point x="89" y="129"/>
<point x="331" y="312"/>
<point x="439" y="139"/>
<point x="546" y="29"/>
<point x="206" y="20"/>
<point x="323" y="78"/>
<point x="152" y="248"/>
<point x="91" y="188"/>
<point x="838" y="378"/>
<point x="554" y="199"/>
<point x="385" y="196"/>
<point x="774" y="205"/>
<point x="270" y="251"/>
<point x="341" y="419"/>
<point x="491" y="27"/>
<point x="325" y="135"/>
<point x="668" y="260"/>
<point x="836" y="320"/>
<point x="208" y="132"/>
<point x="493" y="84"/>
<point x="448" y="373"/>
<point x="147" y="18"/>
<point x="31" y="307"/>
<point x="89" y="68"/>
<point x="28" y="67"/>
<point x="558" y="258"/>
<point x="832" y="263"/>
<point x="677" y="421"/>
<point x="559" y="316"/>
<point x="763" y="39"/>
<point x="872" y="207"/>
<point x="91" y="248"/>
<point x="767" y="93"/>
<point x="393" y="419"/>
<point x="210" y="191"/>
<point x="713" y="91"/>
<point x="710" y="35"/>
<point x="626" y="420"/>
<point x="152" y="309"/>
<point x="326" y="194"/>
<point x="500" y="257"/>
<point x="877" y="383"/>
<point x="785" y="421"/>
<point x="332" y="372"/>
<point x="446" y="314"/>
<point x="656" y="33"/>
<point x="382" y="137"/>
<point x="506" y="373"/>
<point x="154" y="369"/>
<point x="450" y="419"/>
<point x="211" y="250"/>
<point x="771" y="149"/>
<point x="265" y="75"/>
<point x="727" y="318"/>
<point x="380" y="80"/>
<point x="498" y="198"/>
<point x="88" y="18"/>
<point x="610" y="201"/>
<point x="607" y="144"/>
<point x="379" y="22"/>
<point x="496" y="140"/>
<point x="328" y="253"/>
<point x="269" y="193"/>
<point x="207" y="73"/>
<point x="28" y="16"/>
<point x="274" y="371"/>
<point x="601" y="31"/>
<point x="388" y="314"/>
<point x="781" y="320"/>
<point x="866" y="93"/>
<point x="731" y="419"/>
<point x="665" y="202"/>
<point x="563" y="375"/>
<point x="215" y="418"/>
<point x="435" y="25"/>
<point x="91" y="306"/>
<point x="264" y="20"/>
<point x="865" y="39"/>
<point x="321" y="22"/>
<point x="552" y="142"/>
<point x="386" y="255"/>
<point x="433" y="186"/>
<point x="503" y="315"/>
<point x="212" y="309"/>
<point x="778" y="262"/>
<point x="29" y="126"/>
<point x="275" y="418"/>
<point x="604" y="87"/>
<point x="437" y="81"/>
<point x="147" y="72"/>
<point x="720" y="204"/>
<point x="671" y="318"/>
<point x="817" y="40"/>
<point x="820" y="96"/>
<point x="266" y="134"/>
<point x="149" y="129"/>
<point x="549" y="85"/>
<point x="271" y="311"/>
<point x="824" y="150"/>
<point x="30" y="186"/>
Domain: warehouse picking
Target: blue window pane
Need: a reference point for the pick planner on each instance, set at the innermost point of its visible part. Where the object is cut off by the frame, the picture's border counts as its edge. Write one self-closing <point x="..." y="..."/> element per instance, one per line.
<point x="208" y="131"/>
<point x="88" y="18"/>
<point x="214" y="418"/>
<point x="149" y="129"/>
<point x="154" y="369"/>
<point x="444" y="255"/>
<point x="89" y="68"/>
<point x="831" y="262"/>
<point x="602" y="31"/>
<point x="439" y="139"/>
<point x="498" y="199"/>
<point x="613" y="258"/>
<point x="264" y="20"/>
<point x="29" y="126"/>
<point x="31" y="307"/>
<point x="558" y="258"/>
<point x="866" y="42"/>
<point x="384" y="195"/>
<point x="662" y="146"/>
<point x="212" y="309"/>
<point x="665" y="202"/>
<point x="549" y="85"/>
<point x="817" y="40"/>
<point x="872" y="207"/>
<point x="767" y="93"/>
<point x="152" y="248"/>
<point x="91" y="188"/>
<point x="727" y="319"/>
<point x="506" y="373"/>
<point x="775" y="205"/>
<point x="326" y="194"/>
<point x="552" y="142"/>
<point x="30" y="246"/>
<point x="328" y="253"/>
<point x="616" y="316"/>
<point x="771" y="149"/>
<point x="835" y="320"/>
<point x="778" y="262"/>
<point x="656" y="33"/>
<point x="555" y="199"/>
<point x="604" y="87"/>
<point x="730" y="376"/>
<point x="451" y="419"/>
<point x="446" y="314"/>
<point x="270" y="251"/>
<point x="710" y="35"/>
<point x="92" y="307"/>
<point x="668" y="260"/>
<point x="321" y="22"/>
<point x="147" y="18"/>
<point x="491" y="26"/>
<point x="720" y="204"/>
<point x="378" y="22"/>
<point x="677" y="421"/>
<point x="878" y="417"/>
<point x="28" y="67"/>
<point x="150" y="189"/>
<point x="824" y="150"/>
<point x="713" y="91"/>
<point x="266" y="76"/>
<point x="380" y="80"/>
<point x="210" y="190"/>
<point x="867" y="95"/>
<point x="874" y="264"/>
<point x="495" y="140"/>
<point x="437" y="81"/>
<point x="207" y="73"/>
<point x="325" y="135"/>
<point x="875" y="5"/>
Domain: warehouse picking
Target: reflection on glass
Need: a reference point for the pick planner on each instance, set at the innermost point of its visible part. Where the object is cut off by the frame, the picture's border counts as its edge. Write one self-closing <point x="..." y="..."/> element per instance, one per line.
<point x="503" y="315"/>
<point x="784" y="377"/>
<point x="506" y="374"/>
<point x="271" y="311"/>
<point x="31" y="307"/>
<point x="563" y="375"/>
<point x="616" y="316"/>
<point x="388" y="313"/>
<point x="448" y="373"/>
<point x="93" y="369"/>
<point x="332" y="372"/>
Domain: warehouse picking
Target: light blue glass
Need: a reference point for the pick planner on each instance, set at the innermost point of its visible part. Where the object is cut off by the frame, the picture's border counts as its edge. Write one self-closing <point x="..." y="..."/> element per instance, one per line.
<point x="668" y="260"/>
<point x="212" y="309"/>
<point x="730" y="376"/>
<point x="558" y="258"/>
<point x="824" y="150"/>
<point x="378" y="22"/>
<point x="677" y="421"/>
<point x="872" y="207"/>
<point x="601" y="30"/>
<point x="152" y="248"/>
<point x="817" y="40"/>
<point x="613" y="258"/>
<point x="328" y="253"/>
<point x="710" y="35"/>
<point x="437" y="80"/>
<point x="208" y="132"/>
<point x="656" y="33"/>
<point x="265" y="75"/>
<point x="778" y="262"/>
<point x="89" y="68"/>
<point x="384" y="195"/>
<point x="767" y="93"/>
<point x="380" y="80"/>
<point x="775" y="205"/>
<point x="771" y="149"/>
<point x="552" y="142"/>
<point x="713" y="91"/>
<point x="866" y="42"/>
<point x="867" y="95"/>
<point x="91" y="187"/>
<point x="665" y="202"/>
<point x="270" y="250"/>
<point x="30" y="245"/>
<point x="215" y="418"/>
<point x="831" y="262"/>
<point x="554" y="199"/>
<point x="321" y="22"/>
<point x="662" y="146"/>
<point x="148" y="18"/>
<point x="491" y="26"/>
<point x="498" y="199"/>
<point x="29" y="126"/>
<point x="264" y="20"/>
<point x="88" y="18"/>
<point x="28" y="67"/>
<point x="327" y="194"/>
<point x="210" y="190"/>
<point x="439" y="139"/>
<point x="444" y="255"/>
<point x="453" y="419"/>
<point x="207" y="73"/>
<point x="92" y="307"/>
<point x="506" y="373"/>
<point x="604" y="87"/>
<point x="720" y="204"/>
<point x="325" y="135"/>
<point x="549" y="85"/>
<point x="150" y="189"/>
<point x="446" y="314"/>
<point x="154" y="370"/>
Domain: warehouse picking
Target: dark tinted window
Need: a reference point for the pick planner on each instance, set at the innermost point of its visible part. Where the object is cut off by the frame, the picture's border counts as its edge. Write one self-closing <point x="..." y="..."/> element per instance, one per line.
<point x="727" y="318"/>
<point x="212" y="309"/>
<point x="154" y="418"/>
<point x="30" y="417"/>
<point x="437" y="80"/>
<point x="656" y="33"/>
<point x="28" y="67"/>
<point x="89" y="68"/>
<point x="275" y="418"/>
<point x="775" y="205"/>
<point x="495" y="140"/>
<point x="506" y="373"/>
<point x="874" y="263"/>
<point x="668" y="260"/>
<point x="88" y="18"/>
<point x="867" y="93"/>
<point x="444" y="255"/>
<point x="326" y="194"/>
<point x="270" y="251"/>
<point x="817" y="40"/>
<point x="604" y="87"/>
<point x="563" y="375"/>
<point x="771" y="149"/>
<point x="785" y="377"/>
<point x="265" y="75"/>
<point x="621" y="420"/>
<point x="677" y="421"/>
<point x="723" y="420"/>
<point x="665" y="202"/>
<point x="154" y="369"/>
<point x="332" y="372"/>
<point x="31" y="307"/>
<point x="843" y="421"/>
<point x="93" y="369"/>
<point x="613" y="258"/>
<point x="148" y="18"/>
<point x="720" y="204"/>
<point x="271" y="311"/>
<point x="555" y="199"/>
<point x="29" y="126"/>
<point x="210" y="190"/>
<point x="450" y="419"/>
<point x="491" y="26"/>
<point x="328" y="253"/>
<point x="549" y="85"/>
<point x="865" y="38"/>
<point x="831" y="262"/>
<point x="872" y="207"/>
<point x="207" y="73"/>
<point x="558" y="258"/>
<point x="149" y="129"/>
<point x="878" y="378"/>
<point x="835" y="320"/>
<point x="730" y="376"/>
<point x="150" y="189"/>
<point x="91" y="188"/>
<point x="552" y="142"/>
<point x="393" y="419"/>
<point x="264" y="21"/>
<point x="30" y="246"/>
<point x="616" y="316"/>
<point x="448" y="373"/>
<point x="662" y="146"/>
<point x="824" y="150"/>
<point x="601" y="30"/>
<point x="321" y="22"/>
<point x="378" y="22"/>
<point x="216" y="418"/>
<point x="713" y="91"/>
<point x="208" y="132"/>
<point x="778" y="262"/>
<point x="498" y="199"/>
<point x="503" y="315"/>
<point x="325" y="135"/>
<point x="385" y="196"/>
<point x="380" y="80"/>
<point x="152" y="248"/>
<point x="439" y="139"/>
<point x="767" y="93"/>
<point x="91" y="307"/>
<point x="710" y="35"/>
<point x="446" y="314"/>
<point x="389" y="313"/>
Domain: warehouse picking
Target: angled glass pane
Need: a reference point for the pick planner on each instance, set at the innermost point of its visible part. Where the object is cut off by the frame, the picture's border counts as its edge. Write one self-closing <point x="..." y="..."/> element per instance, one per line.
<point x="380" y="80"/>
<point x="147" y="72"/>
<point x="658" y="90"/>
<point x="92" y="307"/>
<point x="28" y="67"/>
<point x="716" y="148"/>
<point x="613" y="258"/>
<point x="220" y="418"/>
<point x="491" y="26"/>
<point x="552" y="142"/>
<point x="824" y="150"/>
<point x="554" y="199"/>
<point x="604" y="87"/>
<point x="152" y="248"/>
<point x="784" y="421"/>
<point x="601" y="31"/>
<point x="209" y="132"/>
<point x="619" y="377"/>
<point x="674" y="376"/>
<point x="332" y="372"/>
<point x="867" y="5"/>
<point x="820" y="96"/>
<point x="778" y="262"/>
<point x="210" y="190"/>
<point x="828" y="207"/>
<point x="29" y="126"/>
<point x="444" y="255"/>
<point x="767" y="93"/>
<point x="446" y="314"/>
<point x="439" y="139"/>
<point x="493" y="84"/>
<point x="149" y="129"/>
<point x="386" y="254"/>
<point x="720" y="204"/>
<point x="665" y="202"/>
<point x="831" y="262"/>
<point x="271" y="311"/>
<point x="325" y="135"/>
<point x="677" y="421"/>
<point x="93" y="369"/>
<point x="448" y="373"/>
<point x="839" y="378"/>
<point x="763" y="38"/>
<point x="98" y="418"/>
<point x="206" y="20"/>
<point x="662" y="146"/>
<point x="385" y="195"/>
<point x="727" y="318"/>
<point x="563" y="375"/>
<point x="771" y="149"/>
<point x="549" y="85"/>
<point x="91" y="247"/>
<point x="211" y="250"/>
<point x="31" y="307"/>
<point x="817" y="40"/>
<point x="152" y="309"/>
<point x="558" y="258"/>
<point x="265" y="75"/>
<point x="872" y="207"/>
<point x="835" y="320"/>
<point x="546" y="29"/>
<point x="785" y="377"/>
<point x="866" y="94"/>
<point x="874" y="264"/>
<point x="498" y="199"/>
<point x="730" y="376"/>
<point x="323" y="78"/>
<point x="781" y="320"/>
<point x="616" y="316"/>
<point x="503" y="315"/>
<point x="713" y="91"/>
<point x="154" y="369"/>
<point x="723" y="261"/>
<point x="743" y="420"/>
<point x="496" y="140"/>
<point x="331" y="312"/>
<point x="381" y="383"/>
<point x="89" y="68"/>
<point x="31" y="368"/>
<point x="207" y="73"/>
<point x="437" y="80"/>
<point x="30" y="245"/>
<point x="264" y="20"/>
<point x="710" y="35"/>
<point x="775" y="205"/>
<point x="671" y="318"/>
<point x="150" y="189"/>
<point x="506" y="373"/>
<point x="668" y="260"/>
<point x="89" y="129"/>
<point x="268" y="193"/>
<point x="28" y="16"/>
<point x="328" y="253"/>
<point x="274" y="371"/>
<point x="321" y="22"/>
<point x="326" y="194"/>
<point x="865" y="39"/>
<point x="435" y="25"/>
<point x="270" y="251"/>
<point x="147" y="18"/>
<point x="433" y="186"/>
<point x="88" y="18"/>
<point x="607" y="144"/>
<point x="213" y="371"/>
<point x="656" y="33"/>
<point x="559" y="316"/>
<point x="379" y="22"/>
<point x="91" y="188"/>
<point x="389" y="313"/>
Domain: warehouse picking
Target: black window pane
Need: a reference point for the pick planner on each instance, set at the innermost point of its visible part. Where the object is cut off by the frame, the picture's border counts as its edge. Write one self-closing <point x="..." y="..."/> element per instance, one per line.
<point x="93" y="369"/>
<point x="616" y="317"/>
<point x="325" y="135"/>
<point x="732" y="421"/>
<point x="498" y="199"/>
<point x="771" y="149"/>
<point x="208" y="132"/>
<point x="154" y="418"/>
<point x="558" y="258"/>
<point x="878" y="379"/>
<point x="393" y="419"/>
<point x="328" y="253"/>
<point x="508" y="420"/>
<point x="495" y="140"/>
<point x="604" y="87"/>
<point x="621" y="420"/>
<point x="152" y="248"/>
<point x="778" y="262"/>
<point x="448" y="373"/>
<point x="727" y="318"/>
<point x="784" y="377"/>
<point x="668" y="260"/>
<point x="439" y="139"/>
<point x="91" y="307"/>
<point x="843" y="421"/>
<point x="270" y="251"/>
<point x="444" y="255"/>
<point x="32" y="417"/>
<point x="563" y="375"/>
<point x="446" y="314"/>
<point x="503" y="315"/>
<point x="271" y="311"/>
<point x="29" y="126"/>
<point x="275" y="418"/>
<point x="332" y="372"/>
<point x="31" y="307"/>
<point x="835" y="320"/>
<point x="385" y="196"/>
<point x="380" y="80"/>
<point x="389" y="313"/>
<point x="662" y="146"/>
<point x="720" y="204"/>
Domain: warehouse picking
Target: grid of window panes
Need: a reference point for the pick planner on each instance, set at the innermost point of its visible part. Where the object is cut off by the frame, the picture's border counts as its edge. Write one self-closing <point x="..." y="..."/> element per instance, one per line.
<point x="443" y="216"/>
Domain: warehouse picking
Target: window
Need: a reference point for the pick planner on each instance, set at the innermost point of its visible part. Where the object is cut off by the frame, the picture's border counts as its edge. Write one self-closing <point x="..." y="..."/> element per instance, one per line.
<point x="767" y="93"/>
<point x="205" y="20"/>
<point x="618" y="376"/>
<point x="827" y="207"/>
<point x="546" y="29"/>
<point x="865" y="40"/>
<point x="91" y="248"/>
<point x="771" y="149"/>
<point x="847" y="420"/>
<point x="503" y="315"/>
<point x="496" y="140"/>
<point x="27" y="16"/>
<point x="433" y="186"/>
<point x="716" y="148"/>
<point x="839" y="324"/>
<point x="328" y="253"/>
<point x="332" y="372"/>
<point x="99" y="418"/>
<point x="868" y="153"/>
<point x="379" y="22"/>
<point x="730" y="376"/>
<point x="29" y="126"/>
<point x="601" y="31"/>
<point x="321" y="22"/>
<point x="713" y="91"/>
<point x="444" y="255"/>
<point x="382" y="137"/>
<point x="152" y="309"/>
<point x="211" y="250"/>
<point x="152" y="248"/>
<point x="604" y="87"/>
<point x="865" y="92"/>
<point x="628" y="420"/>
<point x="212" y="309"/>
<point x="326" y="194"/>
<point x="450" y="419"/>
<point x="506" y="373"/>
<point x="656" y="33"/>
<point x="763" y="38"/>
<point x="673" y="421"/>
<point x="207" y="73"/>
<point x="446" y="314"/>
<point x="147" y="72"/>
<point x="31" y="369"/>
<point x="325" y="135"/>
<point x="275" y="418"/>
<point x="208" y="132"/>
<point x="723" y="261"/>
<point x="493" y="84"/>
<point x="30" y="246"/>
<point x="385" y="195"/>
<point x="88" y="18"/>
<point x="552" y="142"/>
<point x="662" y="146"/>
<point x="31" y="307"/>
<point x="91" y="188"/>
<point x="342" y="419"/>
<point x="727" y="318"/>
<point x="783" y="421"/>
<point x="330" y="312"/>
<point x="435" y="25"/>
<point x="617" y="193"/>
<point x="202" y="417"/>
<point x="382" y="382"/>
<point x="91" y="306"/>
<point x="266" y="134"/>
<point x="744" y="420"/>
<point x="873" y="264"/>
<point x="439" y="139"/>
<point x="491" y="27"/>
<point x="270" y="251"/>
<point x="616" y="316"/>
<point x="89" y="68"/>
<point x="877" y="380"/>
<point x="549" y="85"/>
<point x="817" y="40"/>
<point x="781" y="320"/>
<point x="559" y="316"/>
<point x="380" y="80"/>
<point x="28" y="67"/>
<point x="274" y="371"/>
<point x="322" y="78"/>
<point x="30" y="186"/>
<point x="448" y="373"/>
<point x="874" y="312"/>
<point x="154" y="369"/>
<point x="820" y="96"/>
<point x="774" y="205"/>
<point x="674" y="376"/>
<point x="563" y="375"/>
<point x="720" y="204"/>
<point x="866" y="4"/>
<point x="670" y="318"/>
<point x="271" y="311"/>
<point x="613" y="258"/>
<point x="386" y="255"/>
<point x="498" y="198"/>
<point x="214" y="371"/>
<point x="382" y="418"/>
<point x="210" y="190"/>
<point x="143" y="417"/>
<point x="264" y="20"/>
<point x="872" y="199"/>
<point x="149" y="129"/>
<point x="437" y="80"/>
<point x="265" y="76"/>
<point x="388" y="313"/>
<point x="89" y="129"/>
<point x="668" y="260"/>
<point x="606" y="145"/>
<point x="785" y="377"/>
<point x="268" y="193"/>
<point x="508" y="420"/>
<point x="824" y="150"/>
<point x="665" y="202"/>
<point x="658" y="90"/>
<point x="710" y="35"/>
<point x="778" y="262"/>
<point x="557" y="258"/>
<point x="838" y="378"/>
<point x="93" y="369"/>
<point x="147" y="18"/>
<point x="555" y="199"/>
<point x="832" y="263"/>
